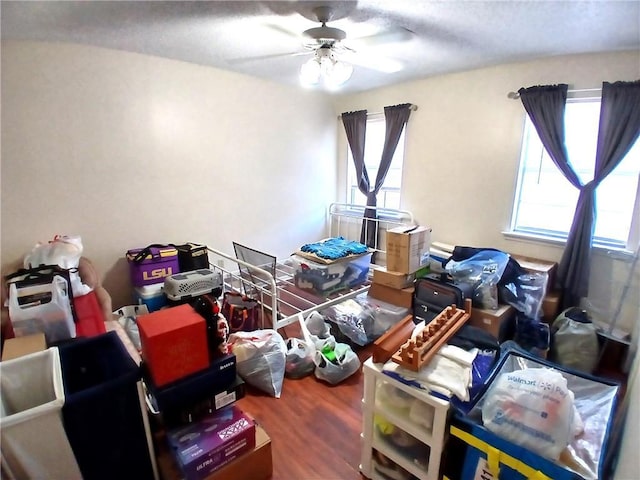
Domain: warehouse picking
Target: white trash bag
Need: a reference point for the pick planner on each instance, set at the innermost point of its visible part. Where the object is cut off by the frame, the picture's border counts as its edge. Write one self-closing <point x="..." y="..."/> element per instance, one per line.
<point x="260" y="359"/>
<point x="334" y="361"/>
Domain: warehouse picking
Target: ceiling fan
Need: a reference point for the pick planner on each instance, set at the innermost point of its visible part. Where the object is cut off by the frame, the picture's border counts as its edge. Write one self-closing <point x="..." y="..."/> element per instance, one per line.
<point x="334" y="55"/>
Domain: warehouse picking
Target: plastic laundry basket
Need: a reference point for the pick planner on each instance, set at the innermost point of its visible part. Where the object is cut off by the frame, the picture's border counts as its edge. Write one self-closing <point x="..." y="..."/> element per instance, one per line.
<point x="103" y="416"/>
<point x="34" y="442"/>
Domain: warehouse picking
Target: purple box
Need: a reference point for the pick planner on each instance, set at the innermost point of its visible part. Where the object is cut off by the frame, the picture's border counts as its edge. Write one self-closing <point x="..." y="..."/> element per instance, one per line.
<point x="203" y="447"/>
<point x="152" y="264"/>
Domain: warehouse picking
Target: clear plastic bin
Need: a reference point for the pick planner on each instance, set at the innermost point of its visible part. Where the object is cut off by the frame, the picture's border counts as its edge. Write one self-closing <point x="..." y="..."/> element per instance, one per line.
<point x="325" y="279"/>
<point x="34" y="441"/>
<point x="42" y="308"/>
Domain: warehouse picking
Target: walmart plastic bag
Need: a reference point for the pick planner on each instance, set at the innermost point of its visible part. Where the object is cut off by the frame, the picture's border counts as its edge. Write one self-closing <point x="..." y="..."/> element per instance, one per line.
<point x="483" y="270"/>
<point x="533" y="408"/>
<point x="260" y="359"/>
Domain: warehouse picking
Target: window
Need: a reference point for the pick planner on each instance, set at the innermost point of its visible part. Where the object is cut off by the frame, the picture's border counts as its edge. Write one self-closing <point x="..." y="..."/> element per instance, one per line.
<point x="389" y="195"/>
<point x="545" y="201"/>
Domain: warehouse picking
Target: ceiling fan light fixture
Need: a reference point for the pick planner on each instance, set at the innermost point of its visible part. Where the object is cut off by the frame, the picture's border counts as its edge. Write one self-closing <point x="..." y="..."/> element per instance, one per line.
<point x="326" y="67"/>
<point x="310" y="72"/>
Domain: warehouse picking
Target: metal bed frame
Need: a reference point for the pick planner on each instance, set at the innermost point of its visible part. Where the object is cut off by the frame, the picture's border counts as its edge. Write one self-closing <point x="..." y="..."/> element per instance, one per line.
<point x="281" y="302"/>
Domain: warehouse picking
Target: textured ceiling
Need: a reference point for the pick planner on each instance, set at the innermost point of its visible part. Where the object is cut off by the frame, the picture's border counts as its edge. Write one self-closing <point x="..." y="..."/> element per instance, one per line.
<point x="426" y="37"/>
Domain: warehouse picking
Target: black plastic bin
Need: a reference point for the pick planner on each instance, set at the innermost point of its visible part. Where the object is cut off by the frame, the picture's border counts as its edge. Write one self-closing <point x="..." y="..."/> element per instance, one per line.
<point x="102" y="414"/>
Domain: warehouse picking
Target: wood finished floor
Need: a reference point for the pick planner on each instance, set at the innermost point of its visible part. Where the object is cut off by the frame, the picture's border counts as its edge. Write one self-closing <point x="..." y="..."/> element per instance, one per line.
<point x="314" y="427"/>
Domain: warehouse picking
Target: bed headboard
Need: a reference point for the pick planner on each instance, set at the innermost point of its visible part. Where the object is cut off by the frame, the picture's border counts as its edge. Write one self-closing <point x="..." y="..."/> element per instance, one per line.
<point x="346" y="220"/>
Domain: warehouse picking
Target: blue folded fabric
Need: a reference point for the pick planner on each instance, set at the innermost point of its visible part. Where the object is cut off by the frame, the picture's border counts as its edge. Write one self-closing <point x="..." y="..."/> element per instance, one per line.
<point x="334" y="248"/>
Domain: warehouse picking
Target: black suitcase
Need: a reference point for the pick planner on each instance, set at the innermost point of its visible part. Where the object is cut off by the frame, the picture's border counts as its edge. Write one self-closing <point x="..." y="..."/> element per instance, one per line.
<point x="435" y="292"/>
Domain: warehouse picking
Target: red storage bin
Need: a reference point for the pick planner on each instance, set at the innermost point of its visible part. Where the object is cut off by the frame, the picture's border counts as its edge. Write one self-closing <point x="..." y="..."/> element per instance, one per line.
<point x="174" y="343"/>
<point x="90" y="319"/>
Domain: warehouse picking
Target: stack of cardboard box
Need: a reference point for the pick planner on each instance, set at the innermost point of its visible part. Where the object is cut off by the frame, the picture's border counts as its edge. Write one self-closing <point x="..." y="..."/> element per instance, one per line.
<point x="491" y="320"/>
<point x="407" y="256"/>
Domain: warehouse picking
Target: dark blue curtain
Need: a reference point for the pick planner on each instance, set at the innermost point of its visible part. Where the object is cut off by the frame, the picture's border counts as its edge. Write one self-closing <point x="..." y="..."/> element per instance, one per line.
<point x="395" y="117"/>
<point x="619" y="128"/>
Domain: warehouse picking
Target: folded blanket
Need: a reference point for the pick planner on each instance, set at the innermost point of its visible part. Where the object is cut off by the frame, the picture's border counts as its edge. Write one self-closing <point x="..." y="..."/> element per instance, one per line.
<point x="334" y="248"/>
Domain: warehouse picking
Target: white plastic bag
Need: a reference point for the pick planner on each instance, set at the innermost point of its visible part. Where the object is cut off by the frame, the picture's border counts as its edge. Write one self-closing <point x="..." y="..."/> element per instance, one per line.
<point x="300" y="355"/>
<point x="260" y="359"/>
<point x="334" y="361"/>
<point x="337" y="364"/>
<point x="64" y="251"/>
<point x="128" y="319"/>
<point x="532" y="408"/>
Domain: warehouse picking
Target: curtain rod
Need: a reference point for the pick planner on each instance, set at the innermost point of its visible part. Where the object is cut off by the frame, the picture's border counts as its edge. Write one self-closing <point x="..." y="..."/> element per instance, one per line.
<point x="516" y="95"/>
<point x="412" y="107"/>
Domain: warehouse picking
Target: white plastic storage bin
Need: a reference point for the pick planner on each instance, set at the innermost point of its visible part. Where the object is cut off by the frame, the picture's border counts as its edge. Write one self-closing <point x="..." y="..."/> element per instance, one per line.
<point x="42" y="308"/>
<point x="403" y="424"/>
<point x="327" y="278"/>
<point x="152" y="296"/>
<point x="34" y="442"/>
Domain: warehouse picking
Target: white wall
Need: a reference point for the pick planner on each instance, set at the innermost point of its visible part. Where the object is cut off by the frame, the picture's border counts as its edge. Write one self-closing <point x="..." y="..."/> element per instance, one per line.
<point x="463" y="148"/>
<point x="127" y="150"/>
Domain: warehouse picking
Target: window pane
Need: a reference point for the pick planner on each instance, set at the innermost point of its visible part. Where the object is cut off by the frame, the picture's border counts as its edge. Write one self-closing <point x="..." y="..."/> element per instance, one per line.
<point x="545" y="201"/>
<point x="389" y="195"/>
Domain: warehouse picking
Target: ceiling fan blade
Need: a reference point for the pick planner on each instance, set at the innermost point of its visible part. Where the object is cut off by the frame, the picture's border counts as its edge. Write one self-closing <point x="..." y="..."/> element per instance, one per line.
<point x="393" y="35"/>
<point x="286" y="31"/>
<point x="237" y="61"/>
<point x="372" y="62"/>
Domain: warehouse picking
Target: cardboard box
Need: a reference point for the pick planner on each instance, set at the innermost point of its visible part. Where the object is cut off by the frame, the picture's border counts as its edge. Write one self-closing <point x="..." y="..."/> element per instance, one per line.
<point x="393" y="279"/>
<point x="490" y="320"/>
<point x="408" y="248"/>
<point x="551" y="306"/>
<point x="537" y="265"/>
<point x="174" y="343"/>
<point x="400" y="297"/>
<point x="202" y="447"/>
<point x="255" y="465"/>
<point x="19" y="346"/>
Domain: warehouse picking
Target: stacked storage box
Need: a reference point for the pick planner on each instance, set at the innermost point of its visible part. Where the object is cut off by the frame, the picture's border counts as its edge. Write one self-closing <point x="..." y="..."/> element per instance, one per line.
<point x="407" y="258"/>
<point x="192" y="390"/>
<point x="474" y="449"/>
<point x="151" y="267"/>
<point x="184" y="373"/>
<point x="148" y="268"/>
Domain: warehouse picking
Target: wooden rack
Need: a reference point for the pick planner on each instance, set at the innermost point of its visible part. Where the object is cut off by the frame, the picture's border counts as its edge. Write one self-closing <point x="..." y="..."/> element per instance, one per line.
<point x="416" y="352"/>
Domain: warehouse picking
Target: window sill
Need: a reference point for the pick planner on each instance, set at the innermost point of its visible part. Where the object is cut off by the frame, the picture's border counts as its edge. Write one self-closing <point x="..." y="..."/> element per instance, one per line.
<point x="612" y="252"/>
